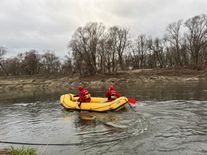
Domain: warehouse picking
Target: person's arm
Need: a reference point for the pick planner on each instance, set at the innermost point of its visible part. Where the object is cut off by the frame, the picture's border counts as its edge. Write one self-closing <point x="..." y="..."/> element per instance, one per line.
<point x="107" y="94"/>
<point x="80" y="97"/>
<point x="118" y="95"/>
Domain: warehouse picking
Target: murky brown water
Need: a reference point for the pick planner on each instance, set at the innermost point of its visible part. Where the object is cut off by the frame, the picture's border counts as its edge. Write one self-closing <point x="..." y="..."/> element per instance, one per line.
<point x="168" y="119"/>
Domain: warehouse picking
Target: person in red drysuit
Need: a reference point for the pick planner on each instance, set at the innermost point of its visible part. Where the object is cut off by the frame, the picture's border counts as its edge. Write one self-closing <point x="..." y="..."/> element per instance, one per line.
<point x="84" y="96"/>
<point x="112" y="94"/>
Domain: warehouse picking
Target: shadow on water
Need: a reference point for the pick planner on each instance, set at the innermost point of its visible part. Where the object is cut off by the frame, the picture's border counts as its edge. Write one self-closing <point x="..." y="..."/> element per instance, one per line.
<point x="170" y="118"/>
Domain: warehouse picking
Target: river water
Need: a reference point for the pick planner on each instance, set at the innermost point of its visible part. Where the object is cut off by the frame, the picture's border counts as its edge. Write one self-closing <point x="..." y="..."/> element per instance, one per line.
<point x="170" y="118"/>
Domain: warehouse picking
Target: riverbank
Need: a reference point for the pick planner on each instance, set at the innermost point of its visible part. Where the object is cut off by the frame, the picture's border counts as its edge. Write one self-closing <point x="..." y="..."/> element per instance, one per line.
<point x="133" y="77"/>
<point x="17" y="151"/>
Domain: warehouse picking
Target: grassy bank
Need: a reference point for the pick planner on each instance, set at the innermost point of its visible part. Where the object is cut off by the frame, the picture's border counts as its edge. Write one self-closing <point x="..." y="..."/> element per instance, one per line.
<point x="18" y="151"/>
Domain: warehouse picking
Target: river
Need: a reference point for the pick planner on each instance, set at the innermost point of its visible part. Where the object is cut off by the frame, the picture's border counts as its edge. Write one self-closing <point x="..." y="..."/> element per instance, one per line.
<point x="169" y="118"/>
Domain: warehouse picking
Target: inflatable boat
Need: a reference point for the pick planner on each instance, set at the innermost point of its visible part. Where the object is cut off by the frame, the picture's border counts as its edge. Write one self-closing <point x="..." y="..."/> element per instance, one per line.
<point x="100" y="104"/>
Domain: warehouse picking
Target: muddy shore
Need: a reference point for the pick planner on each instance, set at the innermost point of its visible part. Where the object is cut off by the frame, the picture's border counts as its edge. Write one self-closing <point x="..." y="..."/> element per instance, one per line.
<point x="138" y="77"/>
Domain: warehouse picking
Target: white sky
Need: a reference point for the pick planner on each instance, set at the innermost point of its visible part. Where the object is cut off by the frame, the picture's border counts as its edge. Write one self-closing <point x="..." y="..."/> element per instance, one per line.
<point x="49" y="24"/>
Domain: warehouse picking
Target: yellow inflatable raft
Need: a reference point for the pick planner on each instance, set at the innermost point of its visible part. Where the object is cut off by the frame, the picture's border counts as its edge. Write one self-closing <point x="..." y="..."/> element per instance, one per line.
<point x="100" y="104"/>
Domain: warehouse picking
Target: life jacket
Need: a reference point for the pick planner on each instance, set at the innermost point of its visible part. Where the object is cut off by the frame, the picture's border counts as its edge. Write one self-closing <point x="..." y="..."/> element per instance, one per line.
<point x="87" y="96"/>
<point x="113" y="94"/>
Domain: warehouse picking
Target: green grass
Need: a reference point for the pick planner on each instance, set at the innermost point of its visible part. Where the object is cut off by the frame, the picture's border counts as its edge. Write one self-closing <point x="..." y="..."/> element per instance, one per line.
<point x="18" y="151"/>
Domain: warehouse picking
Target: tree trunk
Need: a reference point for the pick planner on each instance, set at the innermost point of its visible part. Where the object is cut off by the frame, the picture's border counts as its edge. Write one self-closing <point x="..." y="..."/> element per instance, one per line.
<point x="5" y="71"/>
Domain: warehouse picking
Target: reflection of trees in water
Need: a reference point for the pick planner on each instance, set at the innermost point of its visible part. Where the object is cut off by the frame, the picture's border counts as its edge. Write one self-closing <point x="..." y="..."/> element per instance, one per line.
<point x="152" y="91"/>
<point x="16" y="96"/>
<point x="167" y="90"/>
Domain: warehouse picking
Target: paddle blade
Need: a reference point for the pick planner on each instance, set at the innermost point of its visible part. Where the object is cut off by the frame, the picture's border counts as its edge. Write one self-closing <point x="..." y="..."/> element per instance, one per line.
<point x="132" y="101"/>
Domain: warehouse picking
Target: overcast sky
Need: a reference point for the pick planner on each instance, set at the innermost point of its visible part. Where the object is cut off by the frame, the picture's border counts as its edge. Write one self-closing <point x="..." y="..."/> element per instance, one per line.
<point x="49" y="24"/>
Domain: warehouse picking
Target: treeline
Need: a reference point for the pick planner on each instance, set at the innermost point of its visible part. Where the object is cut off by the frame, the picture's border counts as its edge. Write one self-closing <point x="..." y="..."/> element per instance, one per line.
<point x="31" y="63"/>
<point x="97" y="49"/>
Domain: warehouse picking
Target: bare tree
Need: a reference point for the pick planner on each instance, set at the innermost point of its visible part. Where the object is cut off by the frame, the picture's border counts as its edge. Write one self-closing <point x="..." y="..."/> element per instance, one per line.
<point x="84" y="46"/>
<point x="67" y="67"/>
<point x="31" y="62"/>
<point x="122" y="44"/>
<point x="111" y="50"/>
<point x="50" y="63"/>
<point x="140" y="50"/>
<point x="115" y="44"/>
<point x="157" y="52"/>
<point x="102" y="54"/>
<point x="174" y="37"/>
<point x="197" y="36"/>
<point x="13" y="66"/>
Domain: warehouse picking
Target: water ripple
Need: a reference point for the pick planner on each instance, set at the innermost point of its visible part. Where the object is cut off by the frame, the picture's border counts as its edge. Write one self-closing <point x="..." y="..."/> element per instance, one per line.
<point x="153" y="127"/>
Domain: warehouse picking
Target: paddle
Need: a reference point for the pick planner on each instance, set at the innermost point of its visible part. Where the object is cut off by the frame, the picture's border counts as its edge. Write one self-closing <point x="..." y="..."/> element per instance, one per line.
<point x="131" y="101"/>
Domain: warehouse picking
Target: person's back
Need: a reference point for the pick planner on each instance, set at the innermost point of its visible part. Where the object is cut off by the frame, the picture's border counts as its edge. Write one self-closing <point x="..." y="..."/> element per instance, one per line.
<point x="112" y="94"/>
